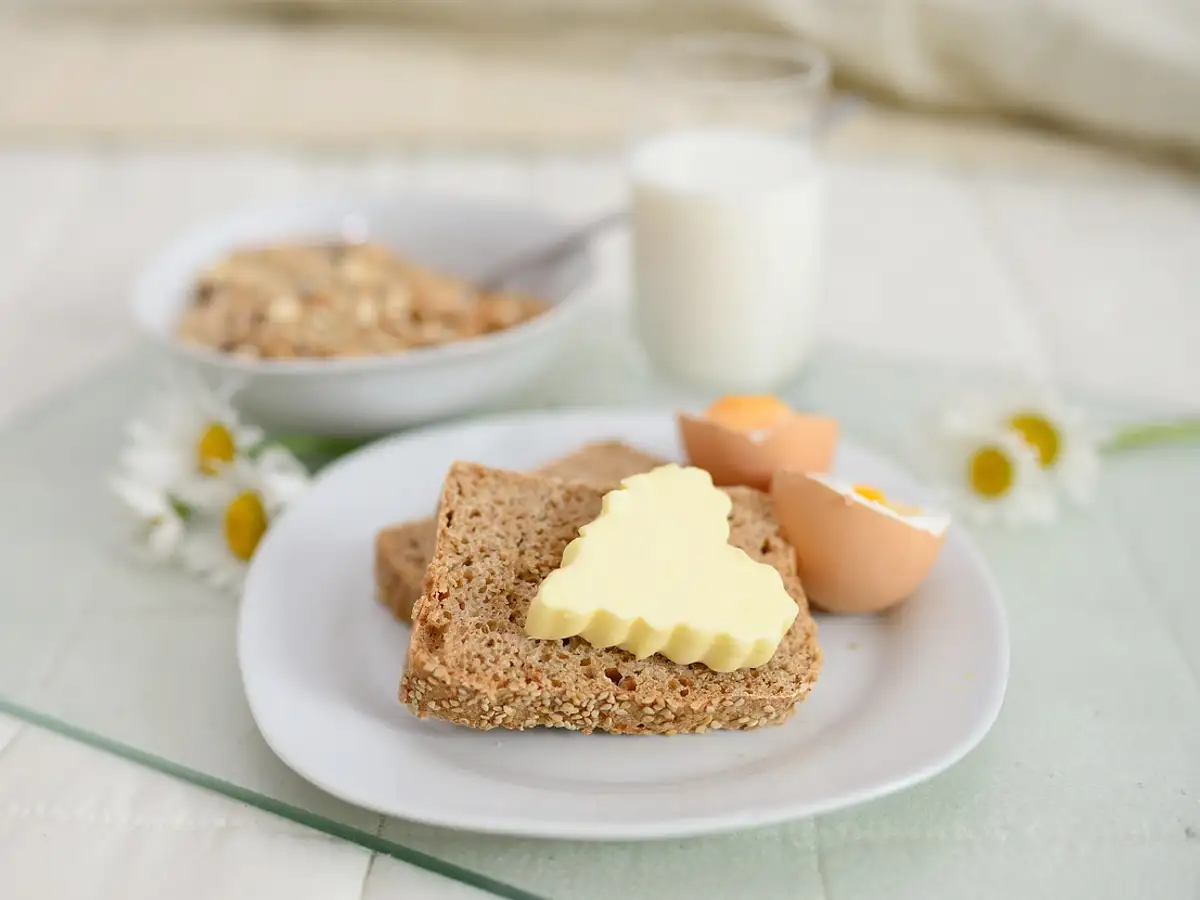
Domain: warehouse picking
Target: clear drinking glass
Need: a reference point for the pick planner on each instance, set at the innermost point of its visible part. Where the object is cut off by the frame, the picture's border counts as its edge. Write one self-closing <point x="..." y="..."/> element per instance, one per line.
<point x="727" y="207"/>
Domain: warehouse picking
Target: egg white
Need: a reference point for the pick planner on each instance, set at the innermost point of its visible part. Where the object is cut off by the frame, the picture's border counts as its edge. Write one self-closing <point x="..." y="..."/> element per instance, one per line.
<point x="934" y="523"/>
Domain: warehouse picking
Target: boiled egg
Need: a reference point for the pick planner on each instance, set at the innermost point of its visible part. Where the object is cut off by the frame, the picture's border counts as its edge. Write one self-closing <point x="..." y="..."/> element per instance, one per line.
<point x="857" y="550"/>
<point x="744" y="439"/>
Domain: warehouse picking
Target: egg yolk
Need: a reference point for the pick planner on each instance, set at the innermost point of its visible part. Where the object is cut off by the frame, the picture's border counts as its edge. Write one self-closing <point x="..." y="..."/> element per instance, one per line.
<point x="870" y="493"/>
<point x="874" y="495"/>
<point x="749" y="413"/>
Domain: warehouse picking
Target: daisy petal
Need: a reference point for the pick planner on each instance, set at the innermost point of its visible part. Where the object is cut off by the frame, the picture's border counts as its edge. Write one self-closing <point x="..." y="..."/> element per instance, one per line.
<point x="165" y="538"/>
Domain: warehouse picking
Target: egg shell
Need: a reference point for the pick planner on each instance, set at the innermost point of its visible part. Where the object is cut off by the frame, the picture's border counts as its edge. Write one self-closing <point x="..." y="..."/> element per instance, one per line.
<point x="852" y="559"/>
<point x="803" y="443"/>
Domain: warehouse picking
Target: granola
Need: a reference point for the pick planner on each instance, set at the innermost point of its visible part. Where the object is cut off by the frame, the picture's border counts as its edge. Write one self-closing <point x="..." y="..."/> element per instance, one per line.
<point x="338" y="300"/>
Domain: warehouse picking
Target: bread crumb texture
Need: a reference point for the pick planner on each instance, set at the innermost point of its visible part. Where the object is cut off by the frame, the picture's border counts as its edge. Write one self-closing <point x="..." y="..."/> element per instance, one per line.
<point x="470" y="662"/>
<point x="403" y="552"/>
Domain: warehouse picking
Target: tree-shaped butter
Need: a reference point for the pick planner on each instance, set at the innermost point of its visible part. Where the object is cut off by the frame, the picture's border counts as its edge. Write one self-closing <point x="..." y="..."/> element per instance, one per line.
<point x="655" y="573"/>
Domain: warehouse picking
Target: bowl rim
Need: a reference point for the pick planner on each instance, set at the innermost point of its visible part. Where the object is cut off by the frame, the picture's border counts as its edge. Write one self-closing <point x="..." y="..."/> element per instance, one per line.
<point x="165" y="262"/>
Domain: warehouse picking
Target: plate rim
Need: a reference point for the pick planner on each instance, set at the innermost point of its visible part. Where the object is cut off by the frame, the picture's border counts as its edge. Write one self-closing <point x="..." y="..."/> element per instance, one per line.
<point x="514" y="825"/>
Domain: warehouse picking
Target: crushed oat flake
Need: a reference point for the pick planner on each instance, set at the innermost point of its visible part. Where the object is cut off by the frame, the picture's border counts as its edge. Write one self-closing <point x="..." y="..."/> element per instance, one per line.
<point x="338" y="299"/>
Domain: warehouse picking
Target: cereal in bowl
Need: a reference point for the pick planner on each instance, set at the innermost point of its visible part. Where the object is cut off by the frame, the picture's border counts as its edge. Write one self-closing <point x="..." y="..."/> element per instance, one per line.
<point x="338" y="299"/>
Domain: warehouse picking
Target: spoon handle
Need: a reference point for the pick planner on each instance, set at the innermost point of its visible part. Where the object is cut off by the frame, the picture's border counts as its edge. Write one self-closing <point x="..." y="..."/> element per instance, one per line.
<point x="532" y="260"/>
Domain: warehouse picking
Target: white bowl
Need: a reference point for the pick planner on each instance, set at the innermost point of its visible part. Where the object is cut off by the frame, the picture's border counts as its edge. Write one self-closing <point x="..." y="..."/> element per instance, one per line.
<point x="364" y="396"/>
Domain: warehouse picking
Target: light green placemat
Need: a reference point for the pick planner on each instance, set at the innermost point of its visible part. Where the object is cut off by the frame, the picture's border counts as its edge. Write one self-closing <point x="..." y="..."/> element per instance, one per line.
<point x="1088" y="786"/>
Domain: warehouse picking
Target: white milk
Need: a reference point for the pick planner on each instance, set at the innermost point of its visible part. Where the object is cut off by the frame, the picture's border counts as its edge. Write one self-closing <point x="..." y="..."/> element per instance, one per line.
<point x="726" y="240"/>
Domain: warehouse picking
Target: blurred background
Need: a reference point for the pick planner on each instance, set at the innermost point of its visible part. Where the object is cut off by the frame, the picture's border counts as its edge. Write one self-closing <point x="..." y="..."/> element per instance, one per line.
<point x="550" y="72"/>
<point x="1011" y="184"/>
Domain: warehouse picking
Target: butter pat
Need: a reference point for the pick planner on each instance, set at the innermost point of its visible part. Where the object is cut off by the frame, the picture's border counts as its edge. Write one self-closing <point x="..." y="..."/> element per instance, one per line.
<point x="655" y="573"/>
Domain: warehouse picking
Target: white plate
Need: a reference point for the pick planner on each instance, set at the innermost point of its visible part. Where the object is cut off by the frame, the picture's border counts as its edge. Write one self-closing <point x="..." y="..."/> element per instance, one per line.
<point x="900" y="698"/>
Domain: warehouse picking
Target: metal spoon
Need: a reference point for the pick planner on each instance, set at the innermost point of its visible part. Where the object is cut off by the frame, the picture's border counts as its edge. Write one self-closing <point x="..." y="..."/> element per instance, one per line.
<point x="531" y="260"/>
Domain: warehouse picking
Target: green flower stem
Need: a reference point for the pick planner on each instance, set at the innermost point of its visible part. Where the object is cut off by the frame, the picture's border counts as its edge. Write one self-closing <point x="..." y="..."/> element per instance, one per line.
<point x="1148" y="434"/>
<point x="315" y="451"/>
<point x="307" y="443"/>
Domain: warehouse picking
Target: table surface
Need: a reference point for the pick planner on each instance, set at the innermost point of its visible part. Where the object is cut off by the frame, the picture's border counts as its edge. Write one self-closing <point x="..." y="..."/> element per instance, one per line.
<point x="1090" y="281"/>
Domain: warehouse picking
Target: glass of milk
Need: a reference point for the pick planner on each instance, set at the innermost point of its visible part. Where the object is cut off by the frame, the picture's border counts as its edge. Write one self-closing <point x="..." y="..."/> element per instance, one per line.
<point x="727" y="208"/>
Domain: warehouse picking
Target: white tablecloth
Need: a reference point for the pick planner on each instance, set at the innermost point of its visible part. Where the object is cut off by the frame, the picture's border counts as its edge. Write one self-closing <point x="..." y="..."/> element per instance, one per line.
<point x="1093" y="281"/>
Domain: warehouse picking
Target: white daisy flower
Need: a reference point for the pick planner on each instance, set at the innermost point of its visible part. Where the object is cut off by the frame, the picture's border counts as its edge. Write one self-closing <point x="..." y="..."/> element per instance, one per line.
<point x="1067" y="448"/>
<point x="995" y="475"/>
<point x="160" y="522"/>
<point x="190" y="433"/>
<point x="242" y="502"/>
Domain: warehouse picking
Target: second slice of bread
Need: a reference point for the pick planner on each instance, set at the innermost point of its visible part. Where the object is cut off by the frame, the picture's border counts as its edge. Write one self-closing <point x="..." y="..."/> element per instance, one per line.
<point x="402" y="552"/>
<point x="470" y="661"/>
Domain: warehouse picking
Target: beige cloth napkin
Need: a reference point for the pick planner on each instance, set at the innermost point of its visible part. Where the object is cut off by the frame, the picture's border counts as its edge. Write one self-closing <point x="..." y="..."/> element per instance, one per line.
<point x="546" y="73"/>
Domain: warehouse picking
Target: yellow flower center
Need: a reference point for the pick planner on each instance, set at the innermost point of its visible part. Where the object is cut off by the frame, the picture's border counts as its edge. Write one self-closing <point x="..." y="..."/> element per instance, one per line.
<point x="245" y="524"/>
<point x="990" y="472"/>
<point x="214" y="448"/>
<point x="1039" y="433"/>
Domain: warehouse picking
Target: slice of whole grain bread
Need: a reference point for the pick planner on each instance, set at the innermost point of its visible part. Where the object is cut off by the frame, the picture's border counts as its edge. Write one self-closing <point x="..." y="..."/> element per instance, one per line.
<point x="470" y="661"/>
<point x="402" y="552"/>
